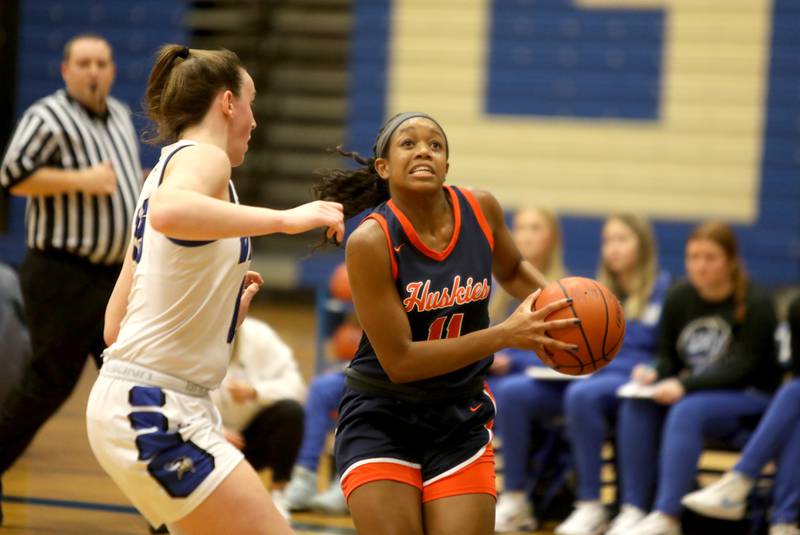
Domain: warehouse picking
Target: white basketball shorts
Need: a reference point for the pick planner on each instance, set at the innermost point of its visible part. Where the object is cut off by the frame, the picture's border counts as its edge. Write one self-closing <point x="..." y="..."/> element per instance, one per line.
<point x="161" y="443"/>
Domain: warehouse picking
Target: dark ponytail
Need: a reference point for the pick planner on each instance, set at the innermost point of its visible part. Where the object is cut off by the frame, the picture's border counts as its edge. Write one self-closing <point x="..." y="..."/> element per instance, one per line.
<point x="357" y="189"/>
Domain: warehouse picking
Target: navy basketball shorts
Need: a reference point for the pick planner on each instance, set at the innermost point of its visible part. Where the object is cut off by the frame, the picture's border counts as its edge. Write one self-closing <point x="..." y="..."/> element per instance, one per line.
<point x="443" y="449"/>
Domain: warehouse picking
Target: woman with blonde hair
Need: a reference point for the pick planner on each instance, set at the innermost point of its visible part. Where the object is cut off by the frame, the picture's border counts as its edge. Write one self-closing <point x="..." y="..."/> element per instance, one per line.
<point x="537" y="234"/>
<point x="629" y="267"/>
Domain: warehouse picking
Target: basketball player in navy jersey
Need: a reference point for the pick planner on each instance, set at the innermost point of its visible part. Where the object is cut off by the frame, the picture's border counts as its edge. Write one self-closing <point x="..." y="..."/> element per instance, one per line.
<point x="413" y="442"/>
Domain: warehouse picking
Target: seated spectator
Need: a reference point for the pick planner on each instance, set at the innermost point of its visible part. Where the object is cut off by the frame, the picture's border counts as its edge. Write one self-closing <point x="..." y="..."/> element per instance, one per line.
<point x="777" y="438"/>
<point x="630" y="269"/>
<point x="628" y="266"/>
<point x="537" y="235"/>
<point x="716" y="364"/>
<point x="260" y="403"/>
<point x="322" y="408"/>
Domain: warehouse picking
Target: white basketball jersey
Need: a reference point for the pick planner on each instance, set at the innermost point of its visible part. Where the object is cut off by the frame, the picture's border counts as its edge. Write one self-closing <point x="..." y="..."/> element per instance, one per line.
<point x="182" y="308"/>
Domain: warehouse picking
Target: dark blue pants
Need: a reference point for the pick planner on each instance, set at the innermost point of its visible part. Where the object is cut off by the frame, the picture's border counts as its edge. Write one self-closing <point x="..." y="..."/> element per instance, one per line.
<point x="664" y="443"/>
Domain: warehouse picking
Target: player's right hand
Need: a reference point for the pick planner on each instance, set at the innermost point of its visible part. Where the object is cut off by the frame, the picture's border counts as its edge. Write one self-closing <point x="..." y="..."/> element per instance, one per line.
<point x="317" y="214"/>
<point x="527" y="329"/>
<point x="99" y="179"/>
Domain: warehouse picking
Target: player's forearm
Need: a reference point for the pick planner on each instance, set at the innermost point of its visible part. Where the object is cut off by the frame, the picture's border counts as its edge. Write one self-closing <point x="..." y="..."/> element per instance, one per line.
<point x="48" y="181"/>
<point x="423" y="360"/>
<point x="118" y="302"/>
<point x="188" y="215"/>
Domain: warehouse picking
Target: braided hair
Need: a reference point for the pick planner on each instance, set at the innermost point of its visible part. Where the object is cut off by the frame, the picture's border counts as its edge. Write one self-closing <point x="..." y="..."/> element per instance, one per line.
<point x="357" y="189"/>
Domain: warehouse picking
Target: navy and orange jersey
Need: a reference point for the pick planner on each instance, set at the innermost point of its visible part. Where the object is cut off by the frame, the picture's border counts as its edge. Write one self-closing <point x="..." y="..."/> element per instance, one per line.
<point x="444" y="293"/>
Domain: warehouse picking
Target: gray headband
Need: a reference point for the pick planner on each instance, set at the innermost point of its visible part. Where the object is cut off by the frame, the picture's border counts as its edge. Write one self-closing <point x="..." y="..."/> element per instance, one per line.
<point x="396" y="121"/>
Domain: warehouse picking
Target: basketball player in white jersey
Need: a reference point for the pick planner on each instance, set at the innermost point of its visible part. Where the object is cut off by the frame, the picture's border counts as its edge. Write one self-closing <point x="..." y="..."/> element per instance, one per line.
<point x="183" y="289"/>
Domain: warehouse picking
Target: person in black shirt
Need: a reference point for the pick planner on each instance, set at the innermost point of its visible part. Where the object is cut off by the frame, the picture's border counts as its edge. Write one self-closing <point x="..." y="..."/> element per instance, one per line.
<point x="776" y="438"/>
<point x="716" y="364"/>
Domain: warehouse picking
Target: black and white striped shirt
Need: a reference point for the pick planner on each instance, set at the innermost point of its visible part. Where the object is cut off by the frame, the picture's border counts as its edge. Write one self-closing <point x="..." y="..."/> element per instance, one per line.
<point x="57" y="131"/>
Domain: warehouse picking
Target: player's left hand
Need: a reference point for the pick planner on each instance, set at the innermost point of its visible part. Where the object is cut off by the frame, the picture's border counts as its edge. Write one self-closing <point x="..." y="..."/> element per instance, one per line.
<point x="252" y="284"/>
<point x="668" y="391"/>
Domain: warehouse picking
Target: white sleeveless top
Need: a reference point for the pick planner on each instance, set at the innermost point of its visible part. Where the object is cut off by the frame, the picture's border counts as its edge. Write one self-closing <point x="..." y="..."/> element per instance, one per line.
<point x="184" y="299"/>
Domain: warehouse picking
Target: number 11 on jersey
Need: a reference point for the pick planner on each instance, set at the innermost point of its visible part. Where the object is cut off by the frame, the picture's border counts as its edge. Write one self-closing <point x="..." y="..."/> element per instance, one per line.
<point x="453" y="326"/>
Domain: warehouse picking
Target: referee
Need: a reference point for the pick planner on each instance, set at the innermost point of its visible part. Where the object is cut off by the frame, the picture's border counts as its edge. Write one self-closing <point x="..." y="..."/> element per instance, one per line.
<point x="75" y="156"/>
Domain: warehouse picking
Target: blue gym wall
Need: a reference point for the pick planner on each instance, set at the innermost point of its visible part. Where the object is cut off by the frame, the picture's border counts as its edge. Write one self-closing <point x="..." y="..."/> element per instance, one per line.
<point x="546" y="60"/>
<point x="557" y="62"/>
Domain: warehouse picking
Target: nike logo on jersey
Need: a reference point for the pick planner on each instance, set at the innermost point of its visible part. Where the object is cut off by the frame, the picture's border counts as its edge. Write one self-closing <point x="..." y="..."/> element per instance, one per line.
<point x="423" y="299"/>
<point x="181" y="466"/>
<point x="397" y="249"/>
<point x="476" y="407"/>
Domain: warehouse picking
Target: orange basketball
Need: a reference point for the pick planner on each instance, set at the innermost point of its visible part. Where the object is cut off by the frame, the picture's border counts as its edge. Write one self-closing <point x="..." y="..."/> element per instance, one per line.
<point x="345" y="341"/>
<point x="598" y="336"/>
<point x="339" y="284"/>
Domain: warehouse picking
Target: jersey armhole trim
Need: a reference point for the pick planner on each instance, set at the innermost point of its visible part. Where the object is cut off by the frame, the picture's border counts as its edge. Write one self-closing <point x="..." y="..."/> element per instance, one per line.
<point x="382" y="222"/>
<point x="176" y="241"/>
<point x="478" y="211"/>
<point x="166" y="161"/>
<point x="189" y="243"/>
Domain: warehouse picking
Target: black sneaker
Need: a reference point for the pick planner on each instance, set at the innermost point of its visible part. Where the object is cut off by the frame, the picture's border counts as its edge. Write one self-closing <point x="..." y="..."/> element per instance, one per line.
<point x="161" y="529"/>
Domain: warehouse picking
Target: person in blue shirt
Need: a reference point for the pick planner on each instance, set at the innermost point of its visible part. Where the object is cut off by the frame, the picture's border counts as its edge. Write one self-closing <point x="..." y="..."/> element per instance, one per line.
<point x="628" y="267"/>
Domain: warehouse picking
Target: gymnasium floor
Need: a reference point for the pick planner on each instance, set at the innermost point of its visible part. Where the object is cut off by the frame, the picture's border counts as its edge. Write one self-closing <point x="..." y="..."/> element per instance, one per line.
<point x="57" y="487"/>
